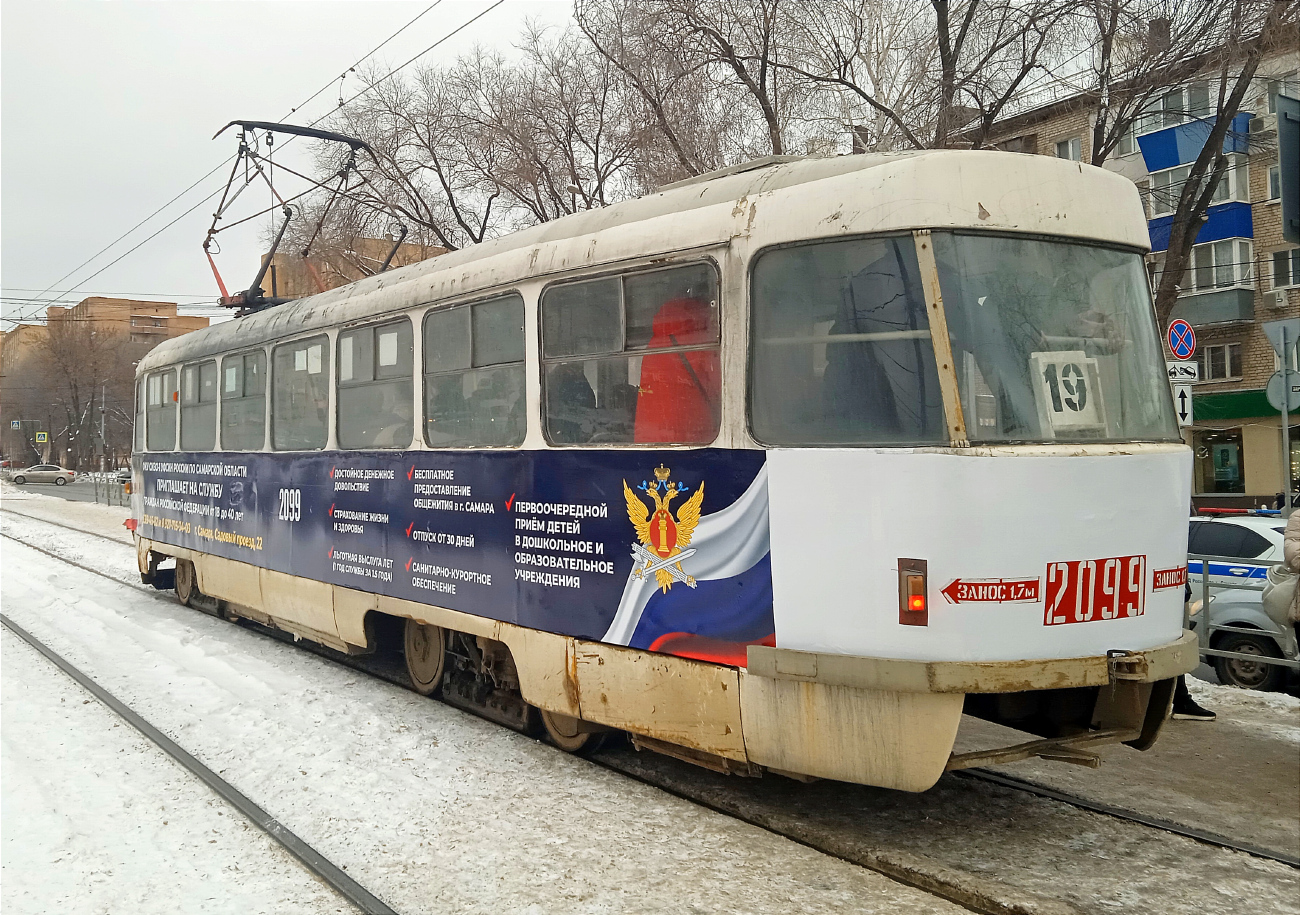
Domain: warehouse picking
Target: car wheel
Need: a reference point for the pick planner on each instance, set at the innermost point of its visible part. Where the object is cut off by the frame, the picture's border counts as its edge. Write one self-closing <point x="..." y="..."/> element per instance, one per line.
<point x="60" y="481"/>
<point x="20" y="480"/>
<point x="1249" y="674"/>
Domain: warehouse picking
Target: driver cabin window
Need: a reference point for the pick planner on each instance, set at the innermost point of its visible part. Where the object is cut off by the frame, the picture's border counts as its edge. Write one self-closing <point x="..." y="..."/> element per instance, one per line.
<point x="160" y="411"/>
<point x="300" y="395"/>
<point x="633" y="359"/>
<point x="376" y="390"/>
<point x="842" y="353"/>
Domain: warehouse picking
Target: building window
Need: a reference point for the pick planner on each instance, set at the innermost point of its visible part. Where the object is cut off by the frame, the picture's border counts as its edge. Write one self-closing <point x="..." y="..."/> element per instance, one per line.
<point x="1213" y="265"/>
<point x="1219" y="362"/>
<point x="300" y="395"/>
<point x="1070" y="149"/>
<point x="1286" y="268"/>
<point x="376" y="394"/>
<point x="1167" y="186"/>
<point x="1274" y="182"/>
<point x="1287" y="85"/>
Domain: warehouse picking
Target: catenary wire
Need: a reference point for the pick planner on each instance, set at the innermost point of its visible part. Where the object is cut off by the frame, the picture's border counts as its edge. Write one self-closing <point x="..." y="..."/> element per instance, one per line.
<point x="223" y="164"/>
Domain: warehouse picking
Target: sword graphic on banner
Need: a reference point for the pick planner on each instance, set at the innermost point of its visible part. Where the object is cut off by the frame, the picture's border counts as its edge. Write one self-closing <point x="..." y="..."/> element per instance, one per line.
<point x="654" y="563"/>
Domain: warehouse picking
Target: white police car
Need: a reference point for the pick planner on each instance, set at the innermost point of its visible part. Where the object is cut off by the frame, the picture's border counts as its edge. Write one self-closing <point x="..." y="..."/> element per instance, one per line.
<point x="1244" y="547"/>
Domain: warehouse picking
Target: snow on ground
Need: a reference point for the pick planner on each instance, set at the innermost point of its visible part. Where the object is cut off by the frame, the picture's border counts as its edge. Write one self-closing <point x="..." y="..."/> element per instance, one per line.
<point x="98" y="819"/>
<point x="431" y="809"/>
<point x="93" y="517"/>
<point x="1276" y="715"/>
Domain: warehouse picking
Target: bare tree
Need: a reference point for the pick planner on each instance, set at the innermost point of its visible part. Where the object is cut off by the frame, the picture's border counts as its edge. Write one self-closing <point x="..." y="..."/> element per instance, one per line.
<point x="84" y="367"/>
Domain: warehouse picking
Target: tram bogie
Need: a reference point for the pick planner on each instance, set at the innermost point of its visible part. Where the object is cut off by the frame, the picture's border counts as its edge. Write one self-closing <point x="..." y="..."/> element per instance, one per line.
<point x="785" y="469"/>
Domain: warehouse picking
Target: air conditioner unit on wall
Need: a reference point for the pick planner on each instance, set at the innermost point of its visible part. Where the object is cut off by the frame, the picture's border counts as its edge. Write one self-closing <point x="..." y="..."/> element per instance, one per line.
<point x="1276" y="298"/>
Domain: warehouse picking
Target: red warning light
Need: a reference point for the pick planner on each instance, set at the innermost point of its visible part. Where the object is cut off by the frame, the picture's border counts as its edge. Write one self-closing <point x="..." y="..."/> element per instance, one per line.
<point x="912" y="609"/>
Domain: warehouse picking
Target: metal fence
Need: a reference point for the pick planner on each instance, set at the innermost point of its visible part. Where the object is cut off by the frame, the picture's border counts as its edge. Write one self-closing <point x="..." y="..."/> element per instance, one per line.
<point x="1206" y="630"/>
<point x="107" y="488"/>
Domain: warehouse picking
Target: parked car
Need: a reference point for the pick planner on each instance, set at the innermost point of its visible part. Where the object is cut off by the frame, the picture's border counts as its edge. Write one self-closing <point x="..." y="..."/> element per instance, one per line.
<point x="123" y="475"/>
<point x="1249" y="545"/>
<point x="45" y="473"/>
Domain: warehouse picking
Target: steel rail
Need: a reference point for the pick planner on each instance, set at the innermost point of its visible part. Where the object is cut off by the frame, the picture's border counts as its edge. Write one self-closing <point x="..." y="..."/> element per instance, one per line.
<point x="1125" y="813"/>
<point x="317" y="863"/>
<point x="1122" y="813"/>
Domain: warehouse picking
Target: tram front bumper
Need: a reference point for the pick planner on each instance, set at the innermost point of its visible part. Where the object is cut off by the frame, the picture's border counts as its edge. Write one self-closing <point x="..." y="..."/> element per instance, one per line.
<point x="893" y="722"/>
<point x="1163" y="662"/>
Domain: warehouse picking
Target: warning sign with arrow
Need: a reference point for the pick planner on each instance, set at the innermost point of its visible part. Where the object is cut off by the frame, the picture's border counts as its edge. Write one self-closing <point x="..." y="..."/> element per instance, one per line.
<point x="992" y="590"/>
<point x="1183" y="403"/>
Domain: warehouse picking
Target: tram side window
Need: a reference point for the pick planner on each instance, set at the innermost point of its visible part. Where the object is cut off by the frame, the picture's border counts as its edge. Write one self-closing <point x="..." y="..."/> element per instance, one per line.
<point x="300" y="395"/>
<point x="160" y="411"/>
<point x="140" y="388"/>
<point x="633" y="359"/>
<point x="841" y="346"/>
<point x="199" y="407"/>
<point x="376" y="392"/>
<point x="474" y="374"/>
<point x="243" y="402"/>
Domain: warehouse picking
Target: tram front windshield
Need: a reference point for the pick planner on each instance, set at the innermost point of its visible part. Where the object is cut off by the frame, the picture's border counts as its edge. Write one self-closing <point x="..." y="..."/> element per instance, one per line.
<point x="1052" y="341"/>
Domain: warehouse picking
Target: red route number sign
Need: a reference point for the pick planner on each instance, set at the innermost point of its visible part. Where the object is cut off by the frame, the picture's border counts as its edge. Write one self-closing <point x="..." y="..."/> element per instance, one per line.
<point x="1084" y="590"/>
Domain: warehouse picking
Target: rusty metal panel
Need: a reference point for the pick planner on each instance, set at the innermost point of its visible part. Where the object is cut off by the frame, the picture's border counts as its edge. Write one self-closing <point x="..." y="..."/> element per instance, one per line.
<point x="896" y="740"/>
<point x="1163" y="662"/>
<point x="299" y="600"/>
<point x="350" y="609"/>
<point x="678" y="700"/>
<point x="546" y="666"/>
<point x="237" y="582"/>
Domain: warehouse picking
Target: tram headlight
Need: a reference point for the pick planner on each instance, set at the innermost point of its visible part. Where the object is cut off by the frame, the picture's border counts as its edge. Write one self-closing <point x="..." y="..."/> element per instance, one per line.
<point x="912" y="591"/>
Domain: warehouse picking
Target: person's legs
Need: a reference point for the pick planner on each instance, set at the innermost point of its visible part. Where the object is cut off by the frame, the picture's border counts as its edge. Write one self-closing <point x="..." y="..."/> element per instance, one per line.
<point x="1185" y="706"/>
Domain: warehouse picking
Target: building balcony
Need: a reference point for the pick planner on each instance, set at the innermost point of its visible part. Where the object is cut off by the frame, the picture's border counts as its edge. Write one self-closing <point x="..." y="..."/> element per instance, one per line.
<point x="1222" y="306"/>
<point x="1179" y="145"/>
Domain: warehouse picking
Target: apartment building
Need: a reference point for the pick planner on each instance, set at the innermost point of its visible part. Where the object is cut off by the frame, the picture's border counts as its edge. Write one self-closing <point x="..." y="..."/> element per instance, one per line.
<point x="1242" y="274"/>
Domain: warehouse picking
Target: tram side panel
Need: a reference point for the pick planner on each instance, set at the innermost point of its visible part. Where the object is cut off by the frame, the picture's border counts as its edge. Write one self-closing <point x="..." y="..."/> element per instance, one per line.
<point x="665" y="552"/>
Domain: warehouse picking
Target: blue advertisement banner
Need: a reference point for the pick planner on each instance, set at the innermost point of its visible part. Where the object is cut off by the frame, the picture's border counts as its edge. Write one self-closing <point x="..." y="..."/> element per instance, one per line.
<point x="666" y="551"/>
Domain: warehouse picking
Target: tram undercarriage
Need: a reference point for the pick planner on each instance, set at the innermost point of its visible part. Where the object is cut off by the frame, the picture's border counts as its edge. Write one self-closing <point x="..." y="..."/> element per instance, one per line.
<point x="877" y="721"/>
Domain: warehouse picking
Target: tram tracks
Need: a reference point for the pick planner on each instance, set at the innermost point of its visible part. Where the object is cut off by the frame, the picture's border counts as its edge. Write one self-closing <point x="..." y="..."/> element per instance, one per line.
<point x="954" y="885"/>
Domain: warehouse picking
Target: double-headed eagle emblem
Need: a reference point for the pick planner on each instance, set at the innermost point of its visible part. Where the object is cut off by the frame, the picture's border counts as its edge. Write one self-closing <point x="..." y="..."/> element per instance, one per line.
<point x="664" y="539"/>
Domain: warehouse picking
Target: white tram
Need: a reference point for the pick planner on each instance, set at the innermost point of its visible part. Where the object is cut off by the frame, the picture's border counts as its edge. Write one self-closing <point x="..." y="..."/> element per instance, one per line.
<point x="781" y="467"/>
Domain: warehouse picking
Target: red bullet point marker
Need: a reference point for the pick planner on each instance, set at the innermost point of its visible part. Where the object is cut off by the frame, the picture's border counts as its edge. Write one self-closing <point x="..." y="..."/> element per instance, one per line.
<point x="408" y="528"/>
<point x="510" y="501"/>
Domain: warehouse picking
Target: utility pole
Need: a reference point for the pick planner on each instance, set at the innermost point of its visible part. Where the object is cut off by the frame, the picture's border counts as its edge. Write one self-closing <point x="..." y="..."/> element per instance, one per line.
<point x="103" y="443"/>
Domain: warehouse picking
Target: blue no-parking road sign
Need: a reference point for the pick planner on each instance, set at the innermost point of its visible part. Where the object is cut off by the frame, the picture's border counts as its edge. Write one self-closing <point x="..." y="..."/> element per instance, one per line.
<point x="1182" y="339"/>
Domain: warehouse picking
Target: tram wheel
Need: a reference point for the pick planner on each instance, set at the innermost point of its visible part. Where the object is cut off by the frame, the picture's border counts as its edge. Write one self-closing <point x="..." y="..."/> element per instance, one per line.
<point x="426" y="656"/>
<point x="187" y="587"/>
<point x="571" y="734"/>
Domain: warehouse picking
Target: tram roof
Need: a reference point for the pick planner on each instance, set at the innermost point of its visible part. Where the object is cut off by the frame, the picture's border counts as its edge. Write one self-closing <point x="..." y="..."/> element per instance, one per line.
<point x="812" y="198"/>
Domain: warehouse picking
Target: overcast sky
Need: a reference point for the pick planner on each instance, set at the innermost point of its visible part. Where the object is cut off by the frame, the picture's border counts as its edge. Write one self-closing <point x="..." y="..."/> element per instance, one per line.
<point x="107" y="111"/>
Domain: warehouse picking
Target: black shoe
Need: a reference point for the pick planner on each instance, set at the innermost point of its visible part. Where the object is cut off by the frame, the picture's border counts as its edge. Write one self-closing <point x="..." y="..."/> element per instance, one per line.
<point x="1190" y="711"/>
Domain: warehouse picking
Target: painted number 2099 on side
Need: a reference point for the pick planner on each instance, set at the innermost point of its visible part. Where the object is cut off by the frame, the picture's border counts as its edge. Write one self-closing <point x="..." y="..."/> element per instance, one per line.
<point x="291" y="505"/>
<point x="1084" y="590"/>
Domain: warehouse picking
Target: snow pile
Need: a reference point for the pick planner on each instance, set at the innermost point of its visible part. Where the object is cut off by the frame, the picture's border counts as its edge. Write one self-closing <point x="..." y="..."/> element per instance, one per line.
<point x="1230" y="696"/>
